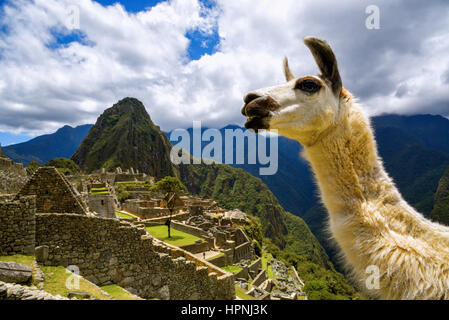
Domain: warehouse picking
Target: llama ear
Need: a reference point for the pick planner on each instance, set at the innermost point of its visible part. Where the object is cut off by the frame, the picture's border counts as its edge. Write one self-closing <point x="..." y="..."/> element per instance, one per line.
<point x="287" y="72"/>
<point x="326" y="61"/>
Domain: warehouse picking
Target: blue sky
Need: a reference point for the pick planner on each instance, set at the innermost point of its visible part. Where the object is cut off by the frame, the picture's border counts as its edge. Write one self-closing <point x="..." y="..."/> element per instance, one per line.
<point x="194" y="60"/>
<point x="200" y="44"/>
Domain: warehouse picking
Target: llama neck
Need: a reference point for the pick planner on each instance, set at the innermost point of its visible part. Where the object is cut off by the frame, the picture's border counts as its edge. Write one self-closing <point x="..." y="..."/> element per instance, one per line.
<point x="347" y="166"/>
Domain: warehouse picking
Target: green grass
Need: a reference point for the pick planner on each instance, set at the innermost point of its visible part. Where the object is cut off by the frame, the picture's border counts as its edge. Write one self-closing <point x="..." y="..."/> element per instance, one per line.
<point x="130" y="182"/>
<point x="216" y="256"/>
<point x="118" y="293"/>
<point x="19" y="258"/>
<point x="239" y="292"/>
<point x="266" y="257"/>
<point x="55" y="283"/>
<point x="178" y="238"/>
<point x="100" y="192"/>
<point x="98" y="189"/>
<point x="123" y="215"/>
<point x="232" y="269"/>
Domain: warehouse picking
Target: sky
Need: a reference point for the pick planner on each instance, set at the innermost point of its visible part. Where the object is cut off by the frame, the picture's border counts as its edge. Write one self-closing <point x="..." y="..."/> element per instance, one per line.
<point x="66" y="61"/>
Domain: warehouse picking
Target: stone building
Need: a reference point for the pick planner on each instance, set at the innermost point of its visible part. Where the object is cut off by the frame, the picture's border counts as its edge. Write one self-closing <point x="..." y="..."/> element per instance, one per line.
<point x="53" y="192"/>
<point x="12" y="175"/>
<point x="101" y="204"/>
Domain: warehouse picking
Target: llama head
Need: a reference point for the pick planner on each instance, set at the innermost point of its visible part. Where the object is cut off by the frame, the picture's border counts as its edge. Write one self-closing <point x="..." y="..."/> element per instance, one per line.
<point x="304" y="107"/>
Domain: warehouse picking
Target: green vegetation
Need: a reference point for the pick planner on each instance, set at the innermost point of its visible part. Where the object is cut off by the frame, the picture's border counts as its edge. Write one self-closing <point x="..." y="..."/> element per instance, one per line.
<point x="239" y="292"/>
<point x="130" y="182"/>
<point x="178" y="238"/>
<point x="216" y="256"/>
<point x="266" y="257"/>
<point x="440" y="212"/>
<point x="122" y="193"/>
<point x="103" y="190"/>
<point x="65" y="166"/>
<point x="32" y="166"/>
<point x="118" y="293"/>
<point x="19" y="258"/>
<point x="125" y="136"/>
<point x="168" y="185"/>
<point x="232" y="269"/>
<point x="123" y="215"/>
<point x="320" y="283"/>
<point x="55" y="283"/>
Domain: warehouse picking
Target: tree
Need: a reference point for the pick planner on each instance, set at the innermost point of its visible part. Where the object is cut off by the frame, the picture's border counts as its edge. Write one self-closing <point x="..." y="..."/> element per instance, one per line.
<point x="32" y="167"/>
<point x="170" y="186"/>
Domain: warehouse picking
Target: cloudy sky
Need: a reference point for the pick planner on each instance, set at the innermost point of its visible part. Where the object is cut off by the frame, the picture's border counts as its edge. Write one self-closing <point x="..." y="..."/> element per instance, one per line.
<point x="195" y="59"/>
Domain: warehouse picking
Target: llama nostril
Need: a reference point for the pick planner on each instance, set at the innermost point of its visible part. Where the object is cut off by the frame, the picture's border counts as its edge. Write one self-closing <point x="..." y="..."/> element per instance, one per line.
<point x="250" y="97"/>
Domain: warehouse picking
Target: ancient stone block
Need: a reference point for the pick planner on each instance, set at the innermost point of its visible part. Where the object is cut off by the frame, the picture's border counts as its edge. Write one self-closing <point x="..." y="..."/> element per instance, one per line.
<point x="13" y="272"/>
<point x="41" y="253"/>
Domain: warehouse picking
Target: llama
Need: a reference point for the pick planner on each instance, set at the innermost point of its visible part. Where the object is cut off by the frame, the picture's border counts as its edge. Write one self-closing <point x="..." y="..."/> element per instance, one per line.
<point x="372" y="224"/>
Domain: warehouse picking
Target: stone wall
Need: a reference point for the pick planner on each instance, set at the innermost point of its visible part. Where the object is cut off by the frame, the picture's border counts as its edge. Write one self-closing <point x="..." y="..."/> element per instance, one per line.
<point x="189" y="229"/>
<point x="12" y="176"/>
<point x="17" y="226"/>
<point x="259" y="279"/>
<point x="102" y="204"/>
<point x="243" y="251"/>
<point x="144" y="209"/>
<point x="196" y="247"/>
<point x="109" y="250"/>
<point x="219" y="261"/>
<point x="53" y="192"/>
<point x="255" y="267"/>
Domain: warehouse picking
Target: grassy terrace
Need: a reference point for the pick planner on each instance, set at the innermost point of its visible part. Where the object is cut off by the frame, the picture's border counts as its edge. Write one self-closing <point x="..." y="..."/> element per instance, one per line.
<point x="56" y="277"/>
<point x="19" y="258"/>
<point x="232" y="269"/>
<point x="239" y="292"/>
<point x="99" y="191"/>
<point x="124" y="215"/>
<point x="130" y="182"/>
<point x="118" y="293"/>
<point x="266" y="257"/>
<point x="178" y="238"/>
<point x="216" y="256"/>
<point x="55" y="283"/>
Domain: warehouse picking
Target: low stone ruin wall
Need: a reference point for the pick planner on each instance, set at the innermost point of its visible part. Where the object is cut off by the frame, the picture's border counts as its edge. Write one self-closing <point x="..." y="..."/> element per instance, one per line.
<point x="243" y="251"/>
<point x="260" y="278"/>
<point x="196" y="247"/>
<point x="189" y="229"/>
<point x="255" y="266"/>
<point x="17" y="225"/>
<point x="135" y="206"/>
<point x="109" y="250"/>
<point x="102" y="204"/>
<point x="219" y="261"/>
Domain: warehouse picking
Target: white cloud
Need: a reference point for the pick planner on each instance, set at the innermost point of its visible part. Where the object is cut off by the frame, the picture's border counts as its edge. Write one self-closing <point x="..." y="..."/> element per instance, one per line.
<point x="402" y="67"/>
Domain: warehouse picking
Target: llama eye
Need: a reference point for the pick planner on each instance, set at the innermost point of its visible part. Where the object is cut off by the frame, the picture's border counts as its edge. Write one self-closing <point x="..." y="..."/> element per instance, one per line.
<point x="308" y="85"/>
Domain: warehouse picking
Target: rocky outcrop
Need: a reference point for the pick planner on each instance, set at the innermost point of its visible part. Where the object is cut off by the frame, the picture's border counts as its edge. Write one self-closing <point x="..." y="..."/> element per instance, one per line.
<point x="9" y="291"/>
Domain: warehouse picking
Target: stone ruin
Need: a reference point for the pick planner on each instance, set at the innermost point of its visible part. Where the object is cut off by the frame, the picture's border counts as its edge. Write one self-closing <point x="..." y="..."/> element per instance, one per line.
<point x="53" y="192"/>
<point x="103" y="205"/>
<point x="12" y="175"/>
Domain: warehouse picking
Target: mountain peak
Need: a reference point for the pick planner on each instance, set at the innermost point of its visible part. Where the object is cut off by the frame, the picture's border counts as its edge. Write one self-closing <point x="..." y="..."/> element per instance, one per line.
<point x="124" y="136"/>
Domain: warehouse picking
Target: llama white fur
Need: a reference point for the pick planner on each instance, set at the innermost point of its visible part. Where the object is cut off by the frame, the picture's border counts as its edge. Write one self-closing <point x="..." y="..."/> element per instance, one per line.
<point x="368" y="217"/>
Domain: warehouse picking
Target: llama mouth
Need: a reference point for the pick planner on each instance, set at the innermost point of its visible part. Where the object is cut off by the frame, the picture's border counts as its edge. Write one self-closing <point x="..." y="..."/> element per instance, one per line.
<point x="258" y="123"/>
